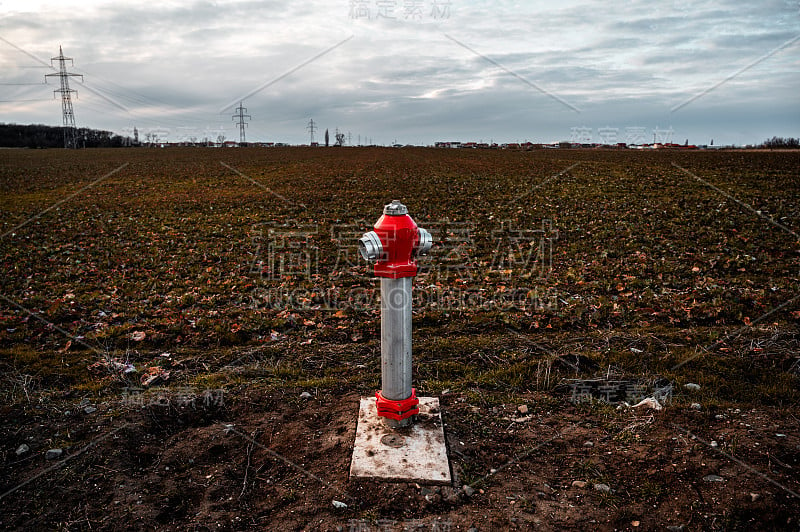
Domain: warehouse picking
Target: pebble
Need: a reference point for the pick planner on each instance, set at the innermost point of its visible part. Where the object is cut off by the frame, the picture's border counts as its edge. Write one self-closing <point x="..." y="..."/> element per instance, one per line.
<point x="714" y="444"/>
<point x="588" y="444"/>
<point x="22" y="449"/>
<point x="468" y="491"/>
<point x="54" y="454"/>
<point x="605" y="488"/>
<point x="578" y="484"/>
<point x="696" y="406"/>
<point x="305" y="395"/>
<point x="691" y="386"/>
<point x="339" y="504"/>
<point x="522" y="409"/>
<point x="89" y="410"/>
<point x="713" y="478"/>
<point x="755" y="496"/>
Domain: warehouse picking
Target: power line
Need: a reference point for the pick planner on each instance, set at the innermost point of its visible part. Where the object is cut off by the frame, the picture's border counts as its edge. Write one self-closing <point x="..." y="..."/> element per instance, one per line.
<point x="311" y="127"/>
<point x="68" y="116"/>
<point x="241" y="123"/>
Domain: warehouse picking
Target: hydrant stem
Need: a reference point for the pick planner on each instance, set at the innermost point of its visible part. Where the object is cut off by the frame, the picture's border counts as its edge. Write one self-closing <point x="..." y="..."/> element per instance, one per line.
<point x="396" y="338"/>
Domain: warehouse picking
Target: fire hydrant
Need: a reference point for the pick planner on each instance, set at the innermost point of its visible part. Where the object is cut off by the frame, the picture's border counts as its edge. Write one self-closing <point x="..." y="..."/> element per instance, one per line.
<point x="393" y="246"/>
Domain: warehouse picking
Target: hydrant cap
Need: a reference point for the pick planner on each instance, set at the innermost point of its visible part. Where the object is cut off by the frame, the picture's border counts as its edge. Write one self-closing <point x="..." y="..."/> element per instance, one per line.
<point x="395" y="208"/>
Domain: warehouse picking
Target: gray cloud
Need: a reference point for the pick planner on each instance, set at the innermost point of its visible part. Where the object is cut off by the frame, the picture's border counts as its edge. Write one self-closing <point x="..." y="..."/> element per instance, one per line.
<point x="174" y="65"/>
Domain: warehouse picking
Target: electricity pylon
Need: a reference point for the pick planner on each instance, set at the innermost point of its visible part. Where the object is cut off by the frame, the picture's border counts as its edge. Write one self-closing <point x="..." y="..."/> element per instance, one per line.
<point x="312" y="127"/>
<point x="68" y="115"/>
<point x="241" y="123"/>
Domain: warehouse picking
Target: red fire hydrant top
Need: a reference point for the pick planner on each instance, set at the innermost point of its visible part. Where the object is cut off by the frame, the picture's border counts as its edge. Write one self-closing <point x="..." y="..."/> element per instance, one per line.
<point x="400" y="241"/>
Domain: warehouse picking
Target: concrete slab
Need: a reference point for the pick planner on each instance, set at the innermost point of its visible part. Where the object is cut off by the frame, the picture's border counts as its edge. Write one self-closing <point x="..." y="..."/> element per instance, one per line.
<point x="417" y="453"/>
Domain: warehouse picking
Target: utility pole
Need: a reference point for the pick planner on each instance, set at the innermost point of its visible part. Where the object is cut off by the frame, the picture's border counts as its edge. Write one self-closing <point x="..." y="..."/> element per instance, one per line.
<point x="349" y="139"/>
<point x="312" y="128"/>
<point x="68" y="116"/>
<point x="241" y="123"/>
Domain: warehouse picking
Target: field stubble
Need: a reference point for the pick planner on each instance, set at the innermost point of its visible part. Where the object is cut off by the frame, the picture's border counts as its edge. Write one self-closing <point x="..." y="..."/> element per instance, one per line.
<point x="181" y="295"/>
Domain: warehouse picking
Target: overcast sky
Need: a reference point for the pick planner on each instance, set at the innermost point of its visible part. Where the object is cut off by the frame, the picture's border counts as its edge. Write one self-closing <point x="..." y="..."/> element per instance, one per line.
<point x="414" y="71"/>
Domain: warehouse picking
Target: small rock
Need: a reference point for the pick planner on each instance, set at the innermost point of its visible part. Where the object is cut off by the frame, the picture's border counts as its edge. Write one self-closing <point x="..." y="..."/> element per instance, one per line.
<point x="635" y="523"/>
<point x="89" y="410"/>
<point x="605" y="488"/>
<point x="696" y="406"/>
<point x="713" y="478"/>
<point x="588" y="444"/>
<point x="339" y="504"/>
<point x="22" y="449"/>
<point x="305" y="395"/>
<point x="578" y="484"/>
<point x="468" y="491"/>
<point x="67" y="412"/>
<point x="691" y="386"/>
<point x="522" y="409"/>
<point x="755" y="496"/>
<point x="649" y="402"/>
<point x="450" y="495"/>
<point x="714" y="444"/>
<point x="779" y="435"/>
<point x="54" y="454"/>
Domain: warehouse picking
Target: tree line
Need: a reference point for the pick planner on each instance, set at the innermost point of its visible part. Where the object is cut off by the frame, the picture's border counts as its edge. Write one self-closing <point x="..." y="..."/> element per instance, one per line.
<point x="42" y="136"/>
<point x="778" y="143"/>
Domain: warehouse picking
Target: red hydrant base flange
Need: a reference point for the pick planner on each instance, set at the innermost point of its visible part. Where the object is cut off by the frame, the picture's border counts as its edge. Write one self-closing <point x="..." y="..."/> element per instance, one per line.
<point x="397" y="410"/>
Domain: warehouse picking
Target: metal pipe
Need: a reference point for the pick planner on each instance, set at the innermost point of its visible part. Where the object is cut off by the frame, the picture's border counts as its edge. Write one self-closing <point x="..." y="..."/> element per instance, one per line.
<point x="396" y="341"/>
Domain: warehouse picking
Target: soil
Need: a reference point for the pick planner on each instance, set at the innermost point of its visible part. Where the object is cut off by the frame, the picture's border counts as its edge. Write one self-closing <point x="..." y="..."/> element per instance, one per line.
<point x="220" y="438"/>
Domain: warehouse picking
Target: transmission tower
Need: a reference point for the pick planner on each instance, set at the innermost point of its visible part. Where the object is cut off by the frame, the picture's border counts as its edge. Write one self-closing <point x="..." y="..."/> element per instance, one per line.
<point x="312" y="127"/>
<point x="68" y="116"/>
<point x="241" y="123"/>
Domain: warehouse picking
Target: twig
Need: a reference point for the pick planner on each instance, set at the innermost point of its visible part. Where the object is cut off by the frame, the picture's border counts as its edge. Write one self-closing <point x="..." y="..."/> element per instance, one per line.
<point x="246" y="469"/>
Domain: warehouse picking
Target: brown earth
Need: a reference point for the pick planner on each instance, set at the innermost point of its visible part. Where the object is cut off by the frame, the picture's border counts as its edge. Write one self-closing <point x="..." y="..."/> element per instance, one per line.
<point x="657" y="279"/>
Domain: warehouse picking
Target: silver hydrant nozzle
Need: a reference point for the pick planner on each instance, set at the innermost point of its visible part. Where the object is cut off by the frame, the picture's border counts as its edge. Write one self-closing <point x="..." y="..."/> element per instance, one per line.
<point x="370" y="247"/>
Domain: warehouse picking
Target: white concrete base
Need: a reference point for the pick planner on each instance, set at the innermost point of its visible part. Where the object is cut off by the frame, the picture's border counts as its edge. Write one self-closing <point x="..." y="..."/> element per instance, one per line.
<point x="416" y="453"/>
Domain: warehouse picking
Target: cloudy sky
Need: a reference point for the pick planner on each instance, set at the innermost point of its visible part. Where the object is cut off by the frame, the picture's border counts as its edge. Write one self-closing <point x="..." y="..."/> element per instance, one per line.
<point x="413" y="71"/>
